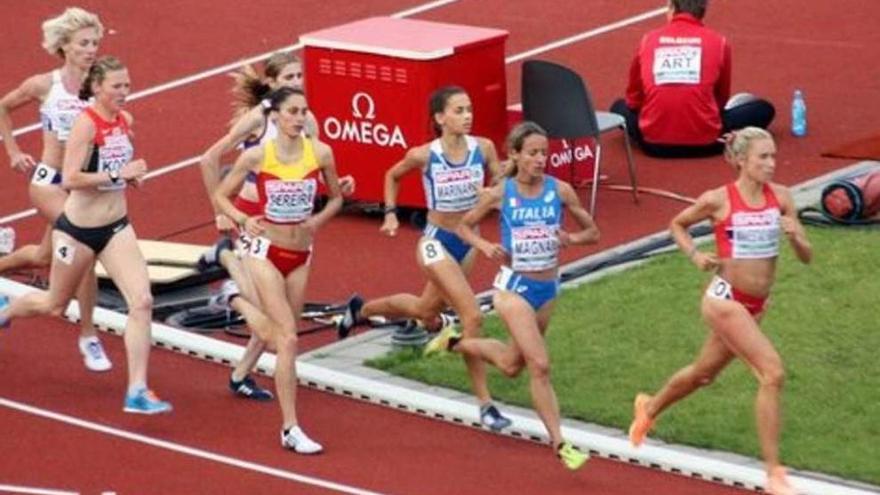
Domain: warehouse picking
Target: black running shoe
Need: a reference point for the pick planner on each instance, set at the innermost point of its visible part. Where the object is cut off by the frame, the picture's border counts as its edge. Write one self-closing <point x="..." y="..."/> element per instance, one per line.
<point x="211" y="257"/>
<point x="350" y="317"/>
<point x="249" y="389"/>
<point x="491" y="417"/>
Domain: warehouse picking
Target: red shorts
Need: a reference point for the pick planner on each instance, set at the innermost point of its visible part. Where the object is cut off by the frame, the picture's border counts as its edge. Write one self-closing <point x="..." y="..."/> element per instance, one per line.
<point x="285" y="260"/>
<point x="721" y="289"/>
<point x="246" y="206"/>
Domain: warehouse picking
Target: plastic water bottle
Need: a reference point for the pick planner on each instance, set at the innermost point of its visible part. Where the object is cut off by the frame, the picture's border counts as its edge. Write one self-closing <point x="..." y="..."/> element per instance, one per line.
<point x="7" y="240"/>
<point x="798" y="114"/>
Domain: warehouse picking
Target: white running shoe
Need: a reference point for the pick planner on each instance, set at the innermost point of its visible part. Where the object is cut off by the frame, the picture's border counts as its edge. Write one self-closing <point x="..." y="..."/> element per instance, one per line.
<point x="296" y="440"/>
<point x="220" y="300"/>
<point x="93" y="354"/>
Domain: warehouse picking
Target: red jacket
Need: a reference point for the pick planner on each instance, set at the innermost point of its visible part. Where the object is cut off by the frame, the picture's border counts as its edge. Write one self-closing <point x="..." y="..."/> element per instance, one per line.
<point x="679" y="82"/>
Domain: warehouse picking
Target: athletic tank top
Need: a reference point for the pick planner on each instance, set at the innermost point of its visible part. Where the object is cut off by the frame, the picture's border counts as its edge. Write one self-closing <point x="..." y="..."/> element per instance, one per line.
<point x="111" y="148"/>
<point x="746" y="232"/>
<point x="60" y="108"/>
<point x="530" y="226"/>
<point x="453" y="187"/>
<point x="287" y="191"/>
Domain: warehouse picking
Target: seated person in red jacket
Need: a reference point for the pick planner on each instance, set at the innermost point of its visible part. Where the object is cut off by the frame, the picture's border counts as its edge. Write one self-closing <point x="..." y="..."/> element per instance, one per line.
<point x="678" y="99"/>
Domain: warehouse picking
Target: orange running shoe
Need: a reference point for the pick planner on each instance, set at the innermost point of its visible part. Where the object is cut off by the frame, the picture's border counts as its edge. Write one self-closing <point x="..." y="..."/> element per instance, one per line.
<point x="777" y="482"/>
<point x="641" y="423"/>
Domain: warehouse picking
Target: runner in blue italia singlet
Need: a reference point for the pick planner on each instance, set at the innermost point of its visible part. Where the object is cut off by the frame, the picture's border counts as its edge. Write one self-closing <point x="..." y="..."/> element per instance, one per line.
<point x="531" y="206"/>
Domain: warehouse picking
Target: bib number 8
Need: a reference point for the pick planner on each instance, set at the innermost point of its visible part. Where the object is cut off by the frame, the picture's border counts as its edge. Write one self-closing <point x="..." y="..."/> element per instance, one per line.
<point x="432" y="251"/>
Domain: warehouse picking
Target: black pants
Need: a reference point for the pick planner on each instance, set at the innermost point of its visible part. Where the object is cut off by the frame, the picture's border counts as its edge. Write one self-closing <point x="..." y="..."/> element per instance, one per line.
<point x="757" y="113"/>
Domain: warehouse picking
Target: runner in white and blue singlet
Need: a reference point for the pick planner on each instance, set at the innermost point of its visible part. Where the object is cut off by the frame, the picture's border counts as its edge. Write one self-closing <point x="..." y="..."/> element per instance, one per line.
<point x="454" y="168"/>
<point x="72" y="36"/>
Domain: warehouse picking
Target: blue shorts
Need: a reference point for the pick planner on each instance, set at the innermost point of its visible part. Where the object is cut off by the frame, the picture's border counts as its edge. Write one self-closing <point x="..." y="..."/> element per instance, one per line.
<point x="536" y="292"/>
<point x="453" y="244"/>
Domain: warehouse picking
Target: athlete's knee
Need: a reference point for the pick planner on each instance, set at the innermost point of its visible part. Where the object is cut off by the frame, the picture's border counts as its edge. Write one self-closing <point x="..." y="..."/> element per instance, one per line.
<point x="512" y="367"/>
<point x="539" y="366"/>
<point x="772" y="374"/>
<point x="471" y="323"/>
<point x="42" y="257"/>
<point x="286" y="340"/>
<point x="702" y="377"/>
<point x="141" y="303"/>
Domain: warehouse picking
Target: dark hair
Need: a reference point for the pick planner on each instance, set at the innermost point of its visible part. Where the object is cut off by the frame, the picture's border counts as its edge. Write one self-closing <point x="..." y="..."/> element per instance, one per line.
<point x="517" y="138"/>
<point x="97" y="72"/>
<point x="273" y="101"/>
<point x="696" y="8"/>
<point x="250" y="88"/>
<point x="437" y="104"/>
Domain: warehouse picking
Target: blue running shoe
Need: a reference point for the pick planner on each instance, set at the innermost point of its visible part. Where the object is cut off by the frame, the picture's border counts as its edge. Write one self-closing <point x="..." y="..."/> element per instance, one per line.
<point x="145" y="402"/>
<point x="4" y="303"/>
<point x="249" y="389"/>
<point x="491" y="417"/>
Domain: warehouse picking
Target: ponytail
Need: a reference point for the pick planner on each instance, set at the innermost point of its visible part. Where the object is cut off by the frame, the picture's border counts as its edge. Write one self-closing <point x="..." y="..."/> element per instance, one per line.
<point x="97" y="72"/>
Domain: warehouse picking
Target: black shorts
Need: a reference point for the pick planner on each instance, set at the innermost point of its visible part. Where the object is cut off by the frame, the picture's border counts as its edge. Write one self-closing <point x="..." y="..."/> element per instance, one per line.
<point x="95" y="238"/>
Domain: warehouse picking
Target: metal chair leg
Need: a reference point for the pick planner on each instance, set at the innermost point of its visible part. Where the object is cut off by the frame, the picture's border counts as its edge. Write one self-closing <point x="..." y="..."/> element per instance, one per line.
<point x="595" y="188"/>
<point x="630" y="163"/>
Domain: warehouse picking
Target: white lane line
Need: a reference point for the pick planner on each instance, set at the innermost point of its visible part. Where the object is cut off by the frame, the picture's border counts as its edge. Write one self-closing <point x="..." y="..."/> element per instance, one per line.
<point x="33" y="490"/>
<point x="588" y="34"/>
<point x="234" y="65"/>
<point x="513" y="58"/>
<point x="183" y="449"/>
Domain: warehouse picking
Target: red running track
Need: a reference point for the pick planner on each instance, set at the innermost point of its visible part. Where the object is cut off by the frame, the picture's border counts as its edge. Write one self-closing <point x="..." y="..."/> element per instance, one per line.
<point x="367" y="446"/>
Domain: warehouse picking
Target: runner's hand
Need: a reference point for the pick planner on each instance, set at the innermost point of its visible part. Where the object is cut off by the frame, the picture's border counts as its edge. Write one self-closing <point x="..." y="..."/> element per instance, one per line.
<point x="223" y="223"/>
<point x="253" y="227"/>
<point x="493" y="251"/>
<point x="390" y="225"/>
<point x="705" y="261"/>
<point x="134" y="170"/>
<point x="346" y="185"/>
<point x="22" y="162"/>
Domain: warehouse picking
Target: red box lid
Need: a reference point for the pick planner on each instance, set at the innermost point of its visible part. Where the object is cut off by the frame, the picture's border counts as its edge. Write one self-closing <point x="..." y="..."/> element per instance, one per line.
<point x="402" y="38"/>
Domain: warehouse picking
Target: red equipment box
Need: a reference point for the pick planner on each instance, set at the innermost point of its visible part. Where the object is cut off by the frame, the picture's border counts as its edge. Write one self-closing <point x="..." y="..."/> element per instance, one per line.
<point x="369" y="81"/>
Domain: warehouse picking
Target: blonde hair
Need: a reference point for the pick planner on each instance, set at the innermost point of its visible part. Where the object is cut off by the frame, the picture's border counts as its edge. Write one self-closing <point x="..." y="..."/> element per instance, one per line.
<point x="737" y="143"/>
<point x="97" y="72"/>
<point x="58" y="31"/>
<point x="250" y="89"/>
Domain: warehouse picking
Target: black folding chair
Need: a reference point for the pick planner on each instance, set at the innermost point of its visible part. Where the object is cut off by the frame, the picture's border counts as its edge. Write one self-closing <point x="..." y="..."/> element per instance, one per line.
<point x="557" y="99"/>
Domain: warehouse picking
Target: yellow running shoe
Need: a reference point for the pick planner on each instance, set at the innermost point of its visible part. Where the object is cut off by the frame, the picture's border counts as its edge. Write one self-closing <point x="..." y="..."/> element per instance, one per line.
<point x="571" y="456"/>
<point x="641" y="423"/>
<point x="444" y="340"/>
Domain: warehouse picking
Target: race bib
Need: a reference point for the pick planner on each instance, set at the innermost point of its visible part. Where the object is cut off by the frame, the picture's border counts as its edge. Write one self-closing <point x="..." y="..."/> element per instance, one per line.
<point x="432" y="251"/>
<point x="64" y="252"/>
<point x="44" y="175"/>
<point x="259" y="247"/>
<point x="113" y="155"/>
<point x="720" y="289"/>
<point x="290" y="201"/>
<point x="456" y="190"/>
<point x="534" y="247"/>
<point x="677" y="65"/>
<point x="502" y="278"/>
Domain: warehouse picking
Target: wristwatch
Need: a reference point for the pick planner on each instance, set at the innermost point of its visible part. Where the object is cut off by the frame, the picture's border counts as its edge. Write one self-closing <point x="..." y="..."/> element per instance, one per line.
<point x="114" y="175"/>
